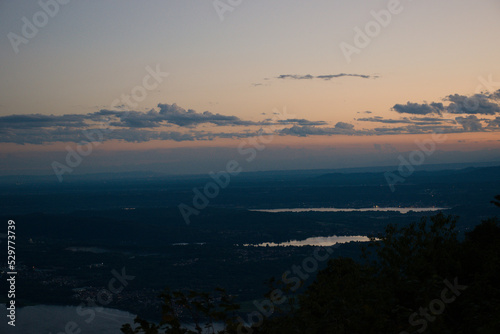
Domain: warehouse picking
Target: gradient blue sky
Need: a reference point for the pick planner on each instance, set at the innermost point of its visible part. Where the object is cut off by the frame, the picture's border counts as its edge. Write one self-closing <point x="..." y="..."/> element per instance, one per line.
<point x="92" y="52"/>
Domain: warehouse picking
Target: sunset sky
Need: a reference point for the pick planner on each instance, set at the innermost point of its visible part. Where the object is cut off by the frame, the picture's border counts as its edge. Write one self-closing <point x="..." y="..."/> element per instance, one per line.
<point x="178" y="86"/>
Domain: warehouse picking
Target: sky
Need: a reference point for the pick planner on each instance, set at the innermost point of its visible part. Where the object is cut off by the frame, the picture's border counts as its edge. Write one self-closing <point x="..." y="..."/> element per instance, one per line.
<point x="183" y="86"/>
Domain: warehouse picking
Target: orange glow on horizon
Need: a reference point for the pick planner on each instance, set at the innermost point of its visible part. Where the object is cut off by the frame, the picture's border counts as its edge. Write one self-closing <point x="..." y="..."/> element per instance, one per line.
<point x="455" y="141"/>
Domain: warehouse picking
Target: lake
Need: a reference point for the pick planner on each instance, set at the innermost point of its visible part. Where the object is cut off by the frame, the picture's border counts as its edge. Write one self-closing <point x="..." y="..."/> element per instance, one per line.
<point x="401" y="210"/>
<point x="316" y="241"/>
<point x="53" y="319"/>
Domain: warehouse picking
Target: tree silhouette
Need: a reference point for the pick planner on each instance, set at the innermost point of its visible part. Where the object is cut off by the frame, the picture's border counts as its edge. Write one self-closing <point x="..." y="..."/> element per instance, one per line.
<point x="204" y="310"/>
<point x="497" y="200"/>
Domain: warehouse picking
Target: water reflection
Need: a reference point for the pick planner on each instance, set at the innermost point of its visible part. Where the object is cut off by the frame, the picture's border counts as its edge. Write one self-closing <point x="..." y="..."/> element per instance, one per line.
<point x="401" y="210"/>
<point x="316" y="241"/>
<point x="54" y="319"/>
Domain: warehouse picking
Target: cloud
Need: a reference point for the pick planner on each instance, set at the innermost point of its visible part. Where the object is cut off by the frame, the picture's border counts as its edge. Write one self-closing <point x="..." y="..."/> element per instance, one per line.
<point x="406" y="120"/>
<point x="324" y="77"/>
<point x="431" y="119"/>
<point x="379" y="119"/>
<point x="344" y="126"/>
<point x="470" y="123"/>
<point x="172" y="122"/>
<point x="174" y="114"/>
<point x="419" y="109"/>
<point x="480" y="104"/>
<point x="340" y="128"/>
<point x="132" y="126"/>
<point x="27" y="136"/>
<point x="305" y="130"/>
<point x="167" y="115"/>
<point x="417" y="129"/>
<point x="494" y="96"/>
<point x="301" y="122"/>
<point x="483" y="104"/>
<point x="170" y="114"/>
<point x="40" y="121"/>
<point x="492" y="123"/>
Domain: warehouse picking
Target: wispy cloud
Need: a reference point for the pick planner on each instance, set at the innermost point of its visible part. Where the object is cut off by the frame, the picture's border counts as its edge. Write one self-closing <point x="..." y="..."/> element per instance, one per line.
<point x="325" y="77"/>
<point x="419" y="109"/>
<point x="39" y="121"/>
<point x="341" y="128"/>
<point x="378" y="119"/>
<point x="300" y="122"/>
<point x="408" y="120"/>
